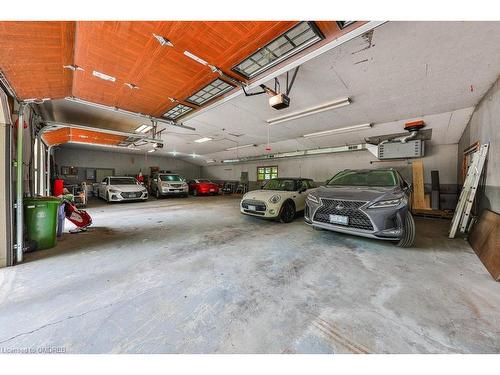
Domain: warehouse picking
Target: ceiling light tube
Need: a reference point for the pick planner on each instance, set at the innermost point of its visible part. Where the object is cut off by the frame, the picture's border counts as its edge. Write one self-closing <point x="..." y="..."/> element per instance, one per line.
<point x="342" y="102"/>
<point x="240" y="147"/>
<point x="195" y="58"/>
<point x="201" y="140"/>
<point x="338" y="131"/>
<point x="143" y="129"/>
<point x="103" y="76"/>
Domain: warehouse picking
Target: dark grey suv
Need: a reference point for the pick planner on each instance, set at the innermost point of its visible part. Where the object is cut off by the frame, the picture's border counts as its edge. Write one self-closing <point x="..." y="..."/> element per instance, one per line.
<point x="368" y="203"/>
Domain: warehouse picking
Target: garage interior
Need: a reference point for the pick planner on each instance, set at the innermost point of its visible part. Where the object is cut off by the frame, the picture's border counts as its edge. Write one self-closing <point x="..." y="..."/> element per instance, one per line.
<point x="85" y="100"/>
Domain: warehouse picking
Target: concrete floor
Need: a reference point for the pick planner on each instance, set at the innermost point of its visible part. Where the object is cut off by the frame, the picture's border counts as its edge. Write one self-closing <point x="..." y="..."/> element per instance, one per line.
<point x="195" y="276"/>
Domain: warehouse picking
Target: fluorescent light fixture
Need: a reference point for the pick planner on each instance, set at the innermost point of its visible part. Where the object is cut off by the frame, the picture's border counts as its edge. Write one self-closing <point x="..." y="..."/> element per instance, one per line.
<point x="131" y="86"/>
<point x="240" y="147"/>
<point x="204" y="139"/>
<point x="337" y="103"/>
<point x="338" y="131"/>
<point x="152" y="150"/>
<point x="210" y="161"/>
<point x="174" y="153"/>
<point x="103" y="76"/>
<point x="194" y="155"/>
<point x="195" y="58"/>
<point x="143" y="129"/>
<point x="304" y="153"/>
<point x="163" y="41"/>
<point x="72" y="67"/>
<point x="214" y="89"/>
<point x="287" y="44"/>
<point x="231" y="161"/>
<point x="177" y="111"/>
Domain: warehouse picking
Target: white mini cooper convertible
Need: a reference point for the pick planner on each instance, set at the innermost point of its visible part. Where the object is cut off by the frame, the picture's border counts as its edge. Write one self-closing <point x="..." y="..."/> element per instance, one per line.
<point x="279" y="198"/>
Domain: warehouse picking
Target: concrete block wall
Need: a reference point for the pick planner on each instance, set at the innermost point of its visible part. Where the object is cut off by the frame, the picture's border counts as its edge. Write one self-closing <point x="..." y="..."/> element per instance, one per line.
<point x="122" y="163"/>
<point x="321" y="168"/>
<point x="484" y="126"/>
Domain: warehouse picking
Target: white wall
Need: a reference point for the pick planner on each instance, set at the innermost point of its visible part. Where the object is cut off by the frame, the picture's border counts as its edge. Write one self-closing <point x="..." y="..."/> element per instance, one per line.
<point x="484" y="126"/>
<point x="320" y="168"/>
<point x="124" y="164"/>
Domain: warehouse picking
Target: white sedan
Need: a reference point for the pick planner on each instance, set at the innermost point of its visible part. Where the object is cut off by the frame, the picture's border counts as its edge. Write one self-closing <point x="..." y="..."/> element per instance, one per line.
<point x="120" y="189"/>
<point x="279" y="198"/>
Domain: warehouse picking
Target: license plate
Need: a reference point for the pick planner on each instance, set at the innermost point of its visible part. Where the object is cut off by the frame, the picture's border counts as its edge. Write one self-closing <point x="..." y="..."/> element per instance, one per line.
<point x="339" y="219"/>
<point x="252" y="208"/>
<point x="212" y="190"/>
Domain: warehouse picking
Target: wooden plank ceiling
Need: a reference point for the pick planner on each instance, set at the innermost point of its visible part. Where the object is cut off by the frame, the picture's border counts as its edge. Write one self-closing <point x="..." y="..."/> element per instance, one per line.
<point x="32" y="55"/>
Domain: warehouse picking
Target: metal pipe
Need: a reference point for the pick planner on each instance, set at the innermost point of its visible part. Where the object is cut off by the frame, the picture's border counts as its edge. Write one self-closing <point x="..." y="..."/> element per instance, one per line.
<point x="47" y="183"/>
<point x="19" y="186"/>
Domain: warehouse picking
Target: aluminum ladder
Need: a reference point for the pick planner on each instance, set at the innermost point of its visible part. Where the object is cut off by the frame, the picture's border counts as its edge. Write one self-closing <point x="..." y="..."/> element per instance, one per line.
<point x="462" y="212"/>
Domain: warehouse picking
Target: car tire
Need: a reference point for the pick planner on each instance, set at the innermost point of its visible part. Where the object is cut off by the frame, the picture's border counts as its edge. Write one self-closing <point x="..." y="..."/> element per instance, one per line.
<point x="408" y="232"/>
<point x="195" y="192"/>
<point x="107" y="198"/>
<point x="287" y="212"/>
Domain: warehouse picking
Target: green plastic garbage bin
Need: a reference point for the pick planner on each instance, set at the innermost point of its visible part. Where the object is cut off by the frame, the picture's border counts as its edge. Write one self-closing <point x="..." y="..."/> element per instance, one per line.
<point x="40" y="216"/>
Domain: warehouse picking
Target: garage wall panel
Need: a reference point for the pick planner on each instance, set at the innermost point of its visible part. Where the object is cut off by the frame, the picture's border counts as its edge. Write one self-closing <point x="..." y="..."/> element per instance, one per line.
<point x="484" y="126"/>
<point x="122" y="163"/>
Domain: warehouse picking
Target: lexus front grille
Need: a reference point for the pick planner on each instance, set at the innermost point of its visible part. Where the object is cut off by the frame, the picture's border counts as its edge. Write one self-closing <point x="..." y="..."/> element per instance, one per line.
<point x="357" y="218"/>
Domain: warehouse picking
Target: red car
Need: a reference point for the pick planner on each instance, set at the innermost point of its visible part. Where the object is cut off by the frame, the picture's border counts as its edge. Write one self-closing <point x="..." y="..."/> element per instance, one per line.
<point x="200" y="187"/>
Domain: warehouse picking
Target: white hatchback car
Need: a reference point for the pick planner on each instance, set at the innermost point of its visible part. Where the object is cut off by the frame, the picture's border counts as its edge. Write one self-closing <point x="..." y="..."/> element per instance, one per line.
<point x="279" y="198"/>
<point x="120" y="189"/>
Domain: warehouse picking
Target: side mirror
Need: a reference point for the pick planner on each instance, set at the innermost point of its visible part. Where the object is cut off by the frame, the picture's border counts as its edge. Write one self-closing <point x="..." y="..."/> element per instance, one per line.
<point x="104" y="183"/>
<point x="302" y="189"/>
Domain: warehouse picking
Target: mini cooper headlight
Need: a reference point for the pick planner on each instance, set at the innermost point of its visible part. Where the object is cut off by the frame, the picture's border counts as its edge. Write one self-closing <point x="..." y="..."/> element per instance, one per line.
<point x="313" y="198"/>
<point x="275" y="198"/>
<point x="387" y="203"/>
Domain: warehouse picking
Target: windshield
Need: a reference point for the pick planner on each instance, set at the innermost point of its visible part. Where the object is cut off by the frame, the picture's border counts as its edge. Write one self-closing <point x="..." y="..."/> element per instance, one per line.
<point x="122" y="181"/>
<point x="364" y="178"/>
<point x="286" y="185"/>
<point x="170" y="177"/>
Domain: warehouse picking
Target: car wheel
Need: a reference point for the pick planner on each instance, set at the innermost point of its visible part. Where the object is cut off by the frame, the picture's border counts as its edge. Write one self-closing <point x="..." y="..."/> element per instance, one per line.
<point x="195" y="192"/>
<point x="107" y="198"/>
<point x="287" y="212"/>
<point x="408" y="232"/>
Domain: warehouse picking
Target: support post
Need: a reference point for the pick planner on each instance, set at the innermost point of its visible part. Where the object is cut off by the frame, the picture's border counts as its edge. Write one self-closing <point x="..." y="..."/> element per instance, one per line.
<point x="19" y="186"/>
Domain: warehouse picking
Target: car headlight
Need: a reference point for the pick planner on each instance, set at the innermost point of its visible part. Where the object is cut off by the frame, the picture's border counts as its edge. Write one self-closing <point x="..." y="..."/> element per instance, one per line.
<point x="144" y="191"/>
<point x="387" y="203"/>
<point x="275" y="198"/>
<point x="313" y="198"/>
<point x="114" y="191"/>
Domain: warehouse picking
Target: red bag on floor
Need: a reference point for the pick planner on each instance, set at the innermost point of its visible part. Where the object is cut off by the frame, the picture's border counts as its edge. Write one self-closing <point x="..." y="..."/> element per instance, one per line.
<point x="78" y="217"/>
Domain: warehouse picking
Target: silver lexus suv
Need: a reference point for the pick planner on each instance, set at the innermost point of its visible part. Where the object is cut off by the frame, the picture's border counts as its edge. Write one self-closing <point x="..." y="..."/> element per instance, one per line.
<point x="164" y="184"/>
<point x="368" y="203"/>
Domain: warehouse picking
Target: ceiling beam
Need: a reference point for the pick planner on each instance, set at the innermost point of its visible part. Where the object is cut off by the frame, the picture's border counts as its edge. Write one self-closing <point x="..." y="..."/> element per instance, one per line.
<point x="128" y="113"/>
